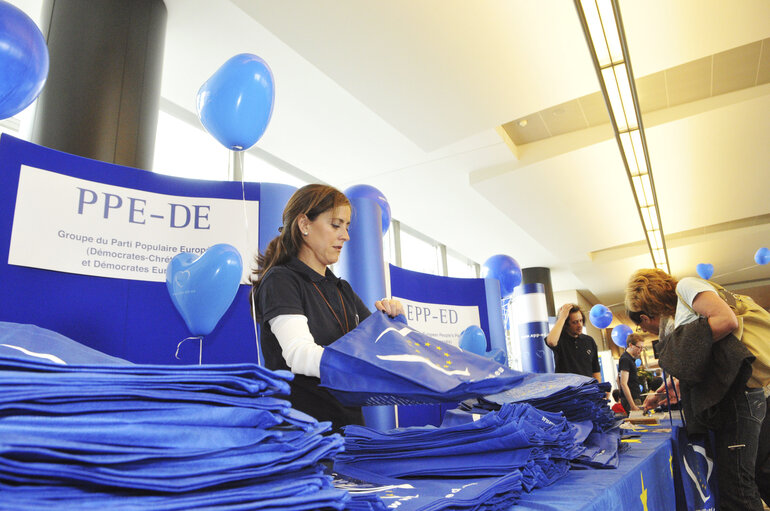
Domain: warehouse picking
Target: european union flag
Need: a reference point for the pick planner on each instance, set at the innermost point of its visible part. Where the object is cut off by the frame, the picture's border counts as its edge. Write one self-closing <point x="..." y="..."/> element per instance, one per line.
<point x="384" y="361"/>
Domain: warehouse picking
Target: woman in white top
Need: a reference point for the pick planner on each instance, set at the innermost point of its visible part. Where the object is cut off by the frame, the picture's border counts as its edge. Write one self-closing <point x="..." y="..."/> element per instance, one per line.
<point x="659" y="304"/>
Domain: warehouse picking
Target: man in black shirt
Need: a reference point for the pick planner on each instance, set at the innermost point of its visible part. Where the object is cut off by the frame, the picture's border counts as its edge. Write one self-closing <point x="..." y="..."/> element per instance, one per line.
<point x="574" y="351"/>
<point x="630" y="394"/>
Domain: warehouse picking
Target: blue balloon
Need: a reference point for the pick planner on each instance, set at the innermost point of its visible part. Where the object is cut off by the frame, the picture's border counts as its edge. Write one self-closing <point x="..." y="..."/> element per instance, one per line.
<point x="620" y="333"/>
<point x="497" y="355"/>
<point x="473" y="339"/>
<point x="236" y="103"/>
<point x="203" y="288"/>
<point x="23" y="60"/>
<point x="638" y="362"/>
<point x="505" y="269"/>
<point x="762" y="256"/>
<point x="370" y="192"/>
<point x="600" y="316"/>
<point x="705" y="270"/>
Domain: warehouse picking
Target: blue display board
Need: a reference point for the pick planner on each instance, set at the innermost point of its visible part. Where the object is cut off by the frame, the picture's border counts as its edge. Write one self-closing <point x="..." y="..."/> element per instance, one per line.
<point x="127" y="318"/>
<point x="443" y="307"/>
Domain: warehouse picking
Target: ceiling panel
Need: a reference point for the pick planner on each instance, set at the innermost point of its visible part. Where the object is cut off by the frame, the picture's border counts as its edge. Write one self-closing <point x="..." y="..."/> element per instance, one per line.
<point x="736" y="68"/>
<point x="689" y="82"/>
<point x="652" y="92"/>
<point x="564" y="118"/>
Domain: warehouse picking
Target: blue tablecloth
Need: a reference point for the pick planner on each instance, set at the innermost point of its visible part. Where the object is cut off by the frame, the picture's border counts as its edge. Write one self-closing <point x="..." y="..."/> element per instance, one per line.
<point x="643" y="481"/>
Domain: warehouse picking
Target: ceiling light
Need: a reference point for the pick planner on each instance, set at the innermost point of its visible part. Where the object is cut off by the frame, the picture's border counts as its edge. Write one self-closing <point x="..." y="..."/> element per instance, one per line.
<point x="606" y="39"/>
<point x="523" y="123"/>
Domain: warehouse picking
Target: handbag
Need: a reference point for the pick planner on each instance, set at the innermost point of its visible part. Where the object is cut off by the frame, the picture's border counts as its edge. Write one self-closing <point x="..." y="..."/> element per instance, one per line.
<point x="694" y="473"/>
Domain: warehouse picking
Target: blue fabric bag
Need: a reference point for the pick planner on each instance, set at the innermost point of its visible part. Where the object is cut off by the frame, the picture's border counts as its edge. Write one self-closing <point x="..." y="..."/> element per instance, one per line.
<point x="384" y="360"/>
<point x="81" y="430"/>
<point x="433" y="494"/>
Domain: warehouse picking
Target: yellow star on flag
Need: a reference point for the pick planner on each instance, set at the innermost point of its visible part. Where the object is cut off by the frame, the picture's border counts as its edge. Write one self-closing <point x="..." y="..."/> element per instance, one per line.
<point x="643" y="496"/>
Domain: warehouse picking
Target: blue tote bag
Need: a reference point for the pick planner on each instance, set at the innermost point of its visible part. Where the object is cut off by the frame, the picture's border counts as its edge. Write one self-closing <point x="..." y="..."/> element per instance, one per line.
<point x="384" y="361"/>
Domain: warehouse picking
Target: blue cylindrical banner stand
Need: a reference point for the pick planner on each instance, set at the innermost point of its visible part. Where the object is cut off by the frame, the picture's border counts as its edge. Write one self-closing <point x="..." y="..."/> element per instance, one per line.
<point x="273" y="198"/>
<point x="495" y="316"/>
<point x="363" y="266"/>
<point x="361" y="262"/>
<point x="531" y="315"/>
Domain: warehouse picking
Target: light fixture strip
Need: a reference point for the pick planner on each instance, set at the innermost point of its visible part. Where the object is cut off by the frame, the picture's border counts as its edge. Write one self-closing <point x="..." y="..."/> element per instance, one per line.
<point x="603" y="29"/>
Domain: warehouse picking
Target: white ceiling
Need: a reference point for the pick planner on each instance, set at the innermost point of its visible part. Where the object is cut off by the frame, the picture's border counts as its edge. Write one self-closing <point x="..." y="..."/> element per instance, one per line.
<point x="405" y="95"/>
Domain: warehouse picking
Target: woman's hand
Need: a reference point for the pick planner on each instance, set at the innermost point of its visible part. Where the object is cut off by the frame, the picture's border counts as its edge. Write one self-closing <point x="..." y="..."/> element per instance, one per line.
<point x="390" y="307"/>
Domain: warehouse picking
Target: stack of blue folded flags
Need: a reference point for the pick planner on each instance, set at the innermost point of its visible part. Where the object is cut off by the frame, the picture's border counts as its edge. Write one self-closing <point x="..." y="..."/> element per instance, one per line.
<point x="582" y="401"/>
<point x="515" y="444"/>
<point x="82" y="430"/>
<point x="383" y="361"/>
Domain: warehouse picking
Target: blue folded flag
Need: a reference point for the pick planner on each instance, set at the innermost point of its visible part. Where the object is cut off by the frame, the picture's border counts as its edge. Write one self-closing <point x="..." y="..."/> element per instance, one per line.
<point x="432" y="494"/>
<point x="384" y="361"/>
<point x="81" y="430"/>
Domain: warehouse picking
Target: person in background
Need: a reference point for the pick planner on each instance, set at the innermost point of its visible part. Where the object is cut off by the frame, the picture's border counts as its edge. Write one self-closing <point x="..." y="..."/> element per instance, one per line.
<point x="661" y="398"/>
<point x="301" y="305"/>
<point x="691" y="313"/>
<point x="630" y="396"/>
<point x="617" y="407"/>
<point x="574" y="351"/>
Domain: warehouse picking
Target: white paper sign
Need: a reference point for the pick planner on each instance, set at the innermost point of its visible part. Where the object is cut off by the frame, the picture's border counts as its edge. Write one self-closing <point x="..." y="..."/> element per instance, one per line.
<point x="440" y="321"/>
<point x="73" y="225"/>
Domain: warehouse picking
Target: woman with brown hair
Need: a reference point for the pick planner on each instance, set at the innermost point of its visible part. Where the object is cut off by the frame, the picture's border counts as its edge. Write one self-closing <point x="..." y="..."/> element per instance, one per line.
<point x="695" y="324"/>
<point x="301" y="305"/>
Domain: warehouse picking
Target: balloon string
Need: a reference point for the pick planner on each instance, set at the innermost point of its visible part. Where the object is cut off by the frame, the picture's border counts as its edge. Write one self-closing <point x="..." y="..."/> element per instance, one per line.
<point x="246" y="243"/>
<point x="200" y="353"/>
<point x="734" y="271"/>
<point x="256" y="334"/>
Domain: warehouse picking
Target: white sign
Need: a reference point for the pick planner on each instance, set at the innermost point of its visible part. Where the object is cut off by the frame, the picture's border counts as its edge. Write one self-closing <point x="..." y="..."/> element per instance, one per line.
<point x="440" y="321"/>
<point x="72" y="225"/>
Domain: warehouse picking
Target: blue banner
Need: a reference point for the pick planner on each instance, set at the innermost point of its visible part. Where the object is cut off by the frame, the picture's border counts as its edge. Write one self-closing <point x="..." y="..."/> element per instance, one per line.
<point x="117" y="301"/>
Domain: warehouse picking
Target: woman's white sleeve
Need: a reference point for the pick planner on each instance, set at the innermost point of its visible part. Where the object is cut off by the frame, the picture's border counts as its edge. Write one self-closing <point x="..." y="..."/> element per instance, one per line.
<point x="302" y="354"/>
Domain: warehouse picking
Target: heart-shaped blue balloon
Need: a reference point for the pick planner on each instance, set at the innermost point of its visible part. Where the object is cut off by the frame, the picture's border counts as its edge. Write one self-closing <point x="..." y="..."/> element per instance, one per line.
<point x="497" y="355"/>
<point x="202" y="288"/>
<point x="505" y="269"/>
<point x="620" y="334"/>
<point x="236" y="103"/>
<point x="474" y="340"/>
<point x="705" y="270"/>
<point x="762" y="256"/>
<point x="23" y="60"/>
<point x="600" y="316"/>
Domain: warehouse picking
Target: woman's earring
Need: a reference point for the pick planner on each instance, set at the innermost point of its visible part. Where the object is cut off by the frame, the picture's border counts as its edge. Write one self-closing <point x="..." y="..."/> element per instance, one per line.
<point x="304" y="233"/>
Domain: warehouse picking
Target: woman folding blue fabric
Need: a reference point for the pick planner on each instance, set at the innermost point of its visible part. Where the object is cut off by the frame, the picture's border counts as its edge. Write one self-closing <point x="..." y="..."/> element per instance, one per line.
<point x="301" y="305"/>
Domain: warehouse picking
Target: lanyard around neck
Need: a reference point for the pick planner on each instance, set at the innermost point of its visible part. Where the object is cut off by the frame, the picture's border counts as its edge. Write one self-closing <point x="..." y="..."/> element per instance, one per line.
<point x="344" y="311"/>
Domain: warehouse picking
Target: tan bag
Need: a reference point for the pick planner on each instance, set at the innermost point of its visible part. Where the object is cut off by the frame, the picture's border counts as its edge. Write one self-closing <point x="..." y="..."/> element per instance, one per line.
<point x="753" y="331"/>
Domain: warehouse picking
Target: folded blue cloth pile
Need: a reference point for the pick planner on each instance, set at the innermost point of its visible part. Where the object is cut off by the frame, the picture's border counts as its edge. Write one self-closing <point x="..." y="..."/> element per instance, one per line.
<point x="106" y="434"/>
<point x="517" y="441"/>
<point x="384" y="361"/>
<point x="374" y="492"/>
<point x="582" y="401"/>
<point x="578" y="397"/>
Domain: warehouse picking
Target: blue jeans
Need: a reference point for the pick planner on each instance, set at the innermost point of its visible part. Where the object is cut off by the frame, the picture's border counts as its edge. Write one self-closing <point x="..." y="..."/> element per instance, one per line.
<point x="742" y="451"/>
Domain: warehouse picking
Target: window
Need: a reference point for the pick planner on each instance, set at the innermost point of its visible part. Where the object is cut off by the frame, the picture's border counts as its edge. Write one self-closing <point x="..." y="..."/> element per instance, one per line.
<point x="185" y="150"/>
<point x="418" y="254"/>
<point x="459" y="266"/>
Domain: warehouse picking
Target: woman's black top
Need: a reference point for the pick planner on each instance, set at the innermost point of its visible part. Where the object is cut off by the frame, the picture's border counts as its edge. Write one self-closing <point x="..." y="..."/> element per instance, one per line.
<point x="295" y="288"/>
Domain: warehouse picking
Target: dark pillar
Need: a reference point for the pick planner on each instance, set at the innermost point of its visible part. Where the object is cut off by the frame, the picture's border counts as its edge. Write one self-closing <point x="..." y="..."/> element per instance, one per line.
<point x="103" y="90"/>
<point x="542" y="276"/>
